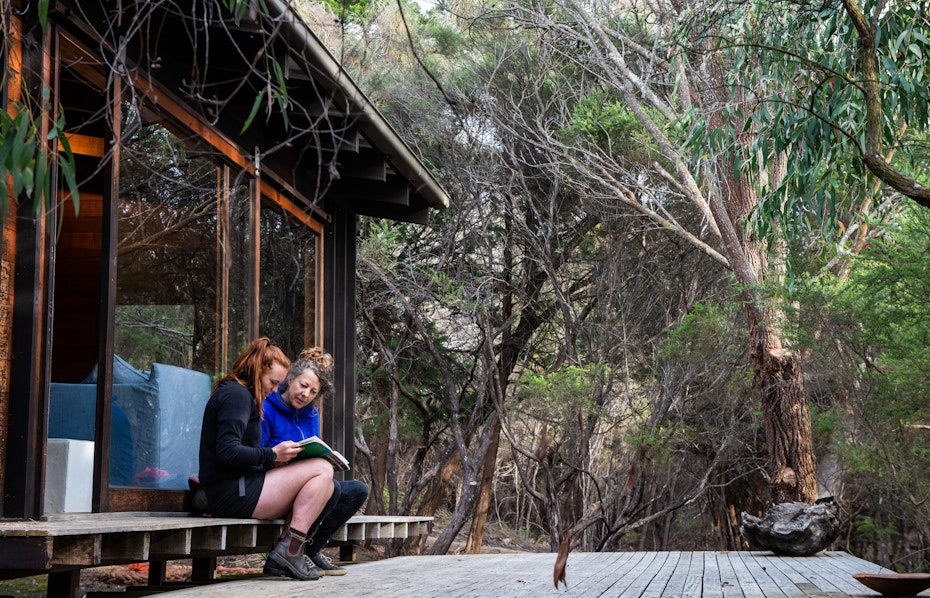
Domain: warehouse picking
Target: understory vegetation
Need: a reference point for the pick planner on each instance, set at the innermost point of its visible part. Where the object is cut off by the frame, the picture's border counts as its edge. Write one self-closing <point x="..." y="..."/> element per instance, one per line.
<point x="659" y="215"/>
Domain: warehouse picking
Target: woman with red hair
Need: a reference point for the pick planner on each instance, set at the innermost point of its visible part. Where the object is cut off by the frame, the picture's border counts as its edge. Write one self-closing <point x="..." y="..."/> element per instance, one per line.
<point x="240" y="477"/>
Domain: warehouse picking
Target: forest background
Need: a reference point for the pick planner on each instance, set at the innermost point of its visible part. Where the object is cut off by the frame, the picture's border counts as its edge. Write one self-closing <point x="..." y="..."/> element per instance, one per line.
<point x="684" y="273"/>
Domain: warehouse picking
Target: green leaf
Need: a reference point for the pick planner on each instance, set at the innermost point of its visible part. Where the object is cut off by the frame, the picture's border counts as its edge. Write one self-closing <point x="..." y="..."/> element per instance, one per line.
<point x="43" y="12"/>
<point x="255" y="105"/>
<point x="67" y="168"/>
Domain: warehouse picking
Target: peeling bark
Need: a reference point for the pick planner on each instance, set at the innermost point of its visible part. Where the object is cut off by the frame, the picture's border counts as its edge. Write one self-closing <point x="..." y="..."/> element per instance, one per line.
<point x="778" y="377"/>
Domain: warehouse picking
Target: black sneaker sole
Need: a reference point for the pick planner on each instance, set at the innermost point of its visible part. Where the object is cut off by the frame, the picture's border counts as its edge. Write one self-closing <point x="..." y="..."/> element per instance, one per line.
<point x="274" y="570"/>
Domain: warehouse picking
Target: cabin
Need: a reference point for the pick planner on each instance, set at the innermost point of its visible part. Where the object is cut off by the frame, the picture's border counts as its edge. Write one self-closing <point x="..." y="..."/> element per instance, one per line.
<point x="207" y="165"/>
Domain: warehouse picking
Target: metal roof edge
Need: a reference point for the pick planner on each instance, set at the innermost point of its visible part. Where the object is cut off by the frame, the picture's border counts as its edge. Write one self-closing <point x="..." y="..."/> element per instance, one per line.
<point x="381" y="134"/>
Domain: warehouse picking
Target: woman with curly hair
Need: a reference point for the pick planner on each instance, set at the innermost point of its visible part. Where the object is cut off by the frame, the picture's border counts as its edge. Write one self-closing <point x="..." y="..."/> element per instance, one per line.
<point x="291" y="413"/>
<point x="244" y="479"/>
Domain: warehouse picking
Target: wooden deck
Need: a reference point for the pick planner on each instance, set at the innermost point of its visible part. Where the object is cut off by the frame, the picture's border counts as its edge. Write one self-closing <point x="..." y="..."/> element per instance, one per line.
<point x="92" y="539"/>
<point x="64" y="544"/>
<point x="614" y="574"/>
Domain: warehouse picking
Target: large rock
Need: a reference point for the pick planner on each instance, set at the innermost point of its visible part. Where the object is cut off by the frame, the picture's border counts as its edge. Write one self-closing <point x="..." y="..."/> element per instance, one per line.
<point x="792" y="528"/>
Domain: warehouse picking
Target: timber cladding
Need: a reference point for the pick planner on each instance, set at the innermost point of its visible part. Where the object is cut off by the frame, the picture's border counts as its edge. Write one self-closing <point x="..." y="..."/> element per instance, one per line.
<point x="12" y="85"/>
<point x="7" y="265"/>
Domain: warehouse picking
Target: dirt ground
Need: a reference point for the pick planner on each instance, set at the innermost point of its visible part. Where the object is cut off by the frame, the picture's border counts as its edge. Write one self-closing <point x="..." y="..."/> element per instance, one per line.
<point x="497" y="539"/>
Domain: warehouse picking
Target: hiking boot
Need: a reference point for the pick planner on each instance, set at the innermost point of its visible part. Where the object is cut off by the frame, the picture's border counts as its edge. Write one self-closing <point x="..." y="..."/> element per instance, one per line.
<point x="271" y="568"/>
<point x="324" y="566"/>
<point x="297" y="566"/>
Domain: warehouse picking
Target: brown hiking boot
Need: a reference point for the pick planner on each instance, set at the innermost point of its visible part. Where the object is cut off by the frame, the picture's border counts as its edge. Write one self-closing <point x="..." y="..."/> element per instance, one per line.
<point x="297" y="566"/>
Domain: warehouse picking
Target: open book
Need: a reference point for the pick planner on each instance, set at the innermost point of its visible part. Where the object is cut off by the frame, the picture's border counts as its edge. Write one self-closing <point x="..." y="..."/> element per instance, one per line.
<point x="314" y="447"/>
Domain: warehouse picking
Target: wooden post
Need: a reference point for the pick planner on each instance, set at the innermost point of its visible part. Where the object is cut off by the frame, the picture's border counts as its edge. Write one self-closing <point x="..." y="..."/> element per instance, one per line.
<point x="64" y="584"/>
<point x="203" y="570"/>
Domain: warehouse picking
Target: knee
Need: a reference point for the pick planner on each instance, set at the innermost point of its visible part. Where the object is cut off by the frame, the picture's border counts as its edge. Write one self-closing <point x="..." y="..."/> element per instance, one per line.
<point x="327" y="471"/>
<point x="322" y="474"/>
<point x="319" y="468"/>
<point x="355" y="491"/>
<point x="361" y="490"/>
<point x="316" y="471"/>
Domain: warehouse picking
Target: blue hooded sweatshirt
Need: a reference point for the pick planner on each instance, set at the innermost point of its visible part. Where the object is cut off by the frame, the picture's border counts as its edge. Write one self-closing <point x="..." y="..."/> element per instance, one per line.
<point x="282" y="423"/>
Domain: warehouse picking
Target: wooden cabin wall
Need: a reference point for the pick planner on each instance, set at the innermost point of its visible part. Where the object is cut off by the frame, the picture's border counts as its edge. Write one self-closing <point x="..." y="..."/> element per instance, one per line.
<point x="29" y="67"/>
<point x="7" y="264"/>
<point x="10" y="92"/>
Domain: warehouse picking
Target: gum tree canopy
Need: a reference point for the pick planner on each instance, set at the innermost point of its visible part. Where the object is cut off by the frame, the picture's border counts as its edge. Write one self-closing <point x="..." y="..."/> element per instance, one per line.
<point x="772" y="147"/>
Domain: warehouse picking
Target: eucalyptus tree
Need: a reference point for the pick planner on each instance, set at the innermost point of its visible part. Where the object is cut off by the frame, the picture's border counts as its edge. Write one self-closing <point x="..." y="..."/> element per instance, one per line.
<point x="841" y="91"/>
<point x="865" y="336"/>
<point x="530" y="276"/>
<point x="681" y="74"/>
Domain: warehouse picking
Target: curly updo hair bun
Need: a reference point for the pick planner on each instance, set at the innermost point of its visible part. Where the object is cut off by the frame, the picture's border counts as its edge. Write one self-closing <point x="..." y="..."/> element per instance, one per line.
<point x="323" y="359"/>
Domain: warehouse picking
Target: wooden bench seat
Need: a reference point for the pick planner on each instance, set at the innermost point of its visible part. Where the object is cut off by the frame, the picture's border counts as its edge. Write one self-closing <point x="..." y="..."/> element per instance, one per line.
<point x="382" y="527"/>
<point x="64" y="544"/>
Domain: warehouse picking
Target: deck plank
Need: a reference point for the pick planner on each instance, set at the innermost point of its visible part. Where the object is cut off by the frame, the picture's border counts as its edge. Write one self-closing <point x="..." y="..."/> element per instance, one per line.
<point x="593" y="576"/>
<point x="695" y="580"/>
<point x="792" y="582"/>
<point x="603" y="575"/>
<point x="744" y="578"/>
<point x="659" y="584"/>
<point x="640" y="576"/>
<point x="710" y="587"/>
<point x="824" y="574"/>
<point x="812" y="578"/>
<point x="606" y="575"/>
<point x="767" y="581"/>
<point x="729" y="583"/>
<point x="854" y="564"/>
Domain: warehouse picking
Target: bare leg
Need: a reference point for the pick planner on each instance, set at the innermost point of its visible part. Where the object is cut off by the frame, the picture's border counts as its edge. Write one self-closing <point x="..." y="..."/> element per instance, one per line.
<point x="303" y="488"/>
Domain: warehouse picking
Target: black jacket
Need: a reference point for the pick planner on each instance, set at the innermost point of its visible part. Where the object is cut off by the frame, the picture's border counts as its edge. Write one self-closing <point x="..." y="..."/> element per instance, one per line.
<point x="231" y="436"/>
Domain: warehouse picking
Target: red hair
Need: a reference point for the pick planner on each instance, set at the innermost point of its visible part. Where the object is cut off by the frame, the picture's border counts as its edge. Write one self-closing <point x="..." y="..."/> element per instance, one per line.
<point x="248" y="368"/>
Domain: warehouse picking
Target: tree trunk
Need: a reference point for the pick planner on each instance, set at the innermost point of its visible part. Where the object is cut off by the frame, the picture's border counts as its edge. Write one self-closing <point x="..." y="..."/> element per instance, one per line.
<point x="468" y="497"/>
<point x="778" y="377"/>
<point x="375" y="504"/>
<point x="476" y="533"/>
<point x="777" y="372"/>
<point x="436" y="493"/>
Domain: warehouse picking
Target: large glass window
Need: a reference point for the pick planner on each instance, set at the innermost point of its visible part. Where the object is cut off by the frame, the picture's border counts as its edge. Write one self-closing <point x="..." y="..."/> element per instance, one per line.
<point x="287" y="308"/>
<point x="189" y="289"/>
<point x="183" y="290"/>
<point x="170" y="274"/>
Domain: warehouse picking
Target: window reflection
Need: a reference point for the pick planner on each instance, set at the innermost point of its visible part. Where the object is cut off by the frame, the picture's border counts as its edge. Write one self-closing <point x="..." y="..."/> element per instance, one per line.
<point x="288" y="278"/>
<point x="183" y="299"/>
<point x="166" y="268"/>
<point x="236" y="270"/>
<point x="166" y="321"/>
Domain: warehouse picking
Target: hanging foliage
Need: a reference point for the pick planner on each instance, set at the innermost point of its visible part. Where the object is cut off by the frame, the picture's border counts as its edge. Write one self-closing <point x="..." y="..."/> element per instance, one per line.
<point x="27" y="165"/>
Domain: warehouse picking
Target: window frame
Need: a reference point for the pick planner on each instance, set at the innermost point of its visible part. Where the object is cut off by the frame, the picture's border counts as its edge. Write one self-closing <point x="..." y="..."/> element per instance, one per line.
<point x="232" y="163"/>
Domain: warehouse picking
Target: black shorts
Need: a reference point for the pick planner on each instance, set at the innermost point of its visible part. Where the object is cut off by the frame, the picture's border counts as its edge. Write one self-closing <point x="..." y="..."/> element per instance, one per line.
<point x="235" y="497"/>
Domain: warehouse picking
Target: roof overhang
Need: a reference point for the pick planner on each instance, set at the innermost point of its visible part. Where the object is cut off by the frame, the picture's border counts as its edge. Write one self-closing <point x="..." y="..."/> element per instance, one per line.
<point x="319" y="134"/>
<point x="318" y="61"/>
